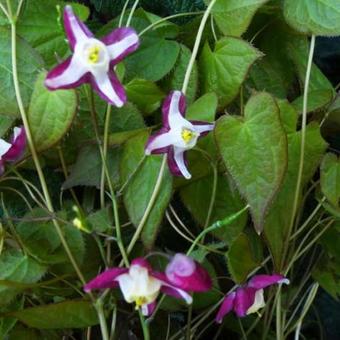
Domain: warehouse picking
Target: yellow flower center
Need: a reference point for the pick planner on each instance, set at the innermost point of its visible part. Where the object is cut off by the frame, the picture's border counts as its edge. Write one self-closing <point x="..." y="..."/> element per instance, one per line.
<point x="94" y="54"/>
<point x="188" y="135"/>
<point x="140" y="301"/>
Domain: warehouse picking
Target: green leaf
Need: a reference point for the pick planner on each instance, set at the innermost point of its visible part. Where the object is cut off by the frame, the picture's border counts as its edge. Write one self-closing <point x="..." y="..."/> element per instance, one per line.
<point x="318" y="17"/>
<point x="234" y="16"/>
<point x="7" y="323"/>
<point x="243" y="257"/>
<point x="317" y="99"/>
<point x="100" y="221"/>
<point x="141" y="186"/>
<point x="298" y="49"/>
<point x="41" y="238"/>
<point x="176" y="77"/>
<point x="254" y="150"/>
<point x="203" y="109"/>
<point x="5" y="123"/>
<point x="145" y="94"/>
<point x="279" y="217"/>
<point x="28" y="65"/>
<point x="50" y="113"/>
<point x="67" y="314"/>
<point x="330" y="178"/>
<point x="41" y="24"/>
<point x="196" y="197"/>
<point x="88" y="168"/>
<point x="224" y="69"/>
<point x="15" y="266"/>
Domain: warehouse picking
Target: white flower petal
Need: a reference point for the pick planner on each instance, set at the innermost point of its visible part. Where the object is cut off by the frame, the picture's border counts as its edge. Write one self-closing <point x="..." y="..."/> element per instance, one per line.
<point x="258" y="302"/>
<point x="179" y="159"/>
<point x="175" y="117"/>
<point x="118" y="48"/>
<point x="4" y="147"/>
<point x="161" y="141"/>
<point x="72" y="73"/>
<point x="203" y="128"/>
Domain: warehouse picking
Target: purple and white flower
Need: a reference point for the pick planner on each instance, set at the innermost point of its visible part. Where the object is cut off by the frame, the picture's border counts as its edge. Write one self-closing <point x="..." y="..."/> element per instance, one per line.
<point x="140" y="284"/>
<point x="177" y="134"/>
<point x="12" y="151"/>
<point x="188" y="274"/>
<point x="249" y="298"/>
<point x="93" y="59"/>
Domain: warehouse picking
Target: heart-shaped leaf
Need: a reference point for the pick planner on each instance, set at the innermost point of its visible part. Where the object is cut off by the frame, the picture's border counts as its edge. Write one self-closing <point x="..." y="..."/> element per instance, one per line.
<point x="254" y="150"/>
<point x="319" y="17"/>
<point x="224" y="69"/>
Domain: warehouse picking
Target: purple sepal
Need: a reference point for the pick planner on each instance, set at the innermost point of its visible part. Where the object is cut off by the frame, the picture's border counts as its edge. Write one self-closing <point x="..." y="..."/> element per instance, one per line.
<point x="71" y="19"/>
<point x="148" y="310"/>
<point x="166" y="107"/>
<point x="105" y="280"/>
<point x="245" y="297"/>
<point x="18" y="141"/>
<point x="142" y="262"/>
<point x="117" y="88"/>
<point x="60" y="69"/>
<point x="226" y="307"/>
<point x="187" y="274"/>
<point x="174" y="169"/>
<point x="118" y="35"/>
<point x="263" y="281"/>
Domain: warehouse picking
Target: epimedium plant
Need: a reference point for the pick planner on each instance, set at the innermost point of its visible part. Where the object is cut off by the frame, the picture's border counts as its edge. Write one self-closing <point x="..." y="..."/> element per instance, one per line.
<point x="190" y="166"/>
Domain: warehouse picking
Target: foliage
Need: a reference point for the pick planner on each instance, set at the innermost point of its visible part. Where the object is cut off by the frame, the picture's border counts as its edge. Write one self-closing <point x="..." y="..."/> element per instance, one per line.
<point x="85" y="197"/>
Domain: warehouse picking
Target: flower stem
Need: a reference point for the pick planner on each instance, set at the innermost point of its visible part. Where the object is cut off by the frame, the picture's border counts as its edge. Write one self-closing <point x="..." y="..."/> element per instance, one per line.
<point x="145" y="326"/>
<point x="102" y="320"/>
<point x="196" y="46"/>
<point x="32" y="147"/>
<point x="216" y="225"/>
<point x="149" y="206"/>
<point x="303" y="142"/>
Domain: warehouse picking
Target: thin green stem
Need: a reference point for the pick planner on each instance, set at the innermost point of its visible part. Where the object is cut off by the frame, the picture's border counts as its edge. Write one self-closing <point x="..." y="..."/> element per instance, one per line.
<point x="216" y="225"/>
<point x="33" y="149"/>
<point x="196" y="46"/>
<point x="102" y="320"/>
<point x="108" y="179"/>
<point x="105" y="147"/>
<point x="156" y="23"/>
<point x="131" y="13"/>
<point x="303" y="142"/>
<point x="149" y="207"/>
<point x="123" y="13"/>
<point x="145" y="326"/>
<point x="213" y="195"/>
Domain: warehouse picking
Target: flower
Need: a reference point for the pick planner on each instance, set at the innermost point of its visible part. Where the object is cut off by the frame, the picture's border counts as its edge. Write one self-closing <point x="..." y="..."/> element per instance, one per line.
<point x="177" y="135"/>
<point x="188" y="274"/>
<point x="13" y="151"/>
<point x="141" y="285"/>
<point x="248" y="298"/>
<point x="93" y="59"/>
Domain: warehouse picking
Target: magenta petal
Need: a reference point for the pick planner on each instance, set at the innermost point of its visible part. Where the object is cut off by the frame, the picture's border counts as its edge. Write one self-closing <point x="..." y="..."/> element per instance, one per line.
<point x="226" y="307"/>
<point x="121" y="42"/>
<point x="173" y="166"/>
<point x="105" y="279"/>
<point x="187" y="274"/>
<point x="18" y="141"/>
<point x="75" y="30"/>
<point x="245" y="297"/>
<point x="142" y="262"/>
<point x="110" y="89"/>
<point x="75" y="76"/>
<point x="263" y="281"/>
<point x="152" y="138"/>
<point x="166" y="107"/>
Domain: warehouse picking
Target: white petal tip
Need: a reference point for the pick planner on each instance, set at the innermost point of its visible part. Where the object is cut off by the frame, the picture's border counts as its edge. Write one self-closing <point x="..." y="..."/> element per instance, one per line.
<point x="147" y="152"/>
<point x="187" y="176"/>
<point x="285" y="281"/>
